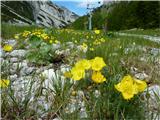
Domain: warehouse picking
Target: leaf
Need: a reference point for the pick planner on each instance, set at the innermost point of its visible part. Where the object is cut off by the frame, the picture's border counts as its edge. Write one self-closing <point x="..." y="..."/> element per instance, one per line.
<point x="35" y="41"/>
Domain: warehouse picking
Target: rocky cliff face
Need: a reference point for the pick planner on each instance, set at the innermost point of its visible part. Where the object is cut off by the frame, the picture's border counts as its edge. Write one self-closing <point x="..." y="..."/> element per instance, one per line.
<point x="44" y="13"/>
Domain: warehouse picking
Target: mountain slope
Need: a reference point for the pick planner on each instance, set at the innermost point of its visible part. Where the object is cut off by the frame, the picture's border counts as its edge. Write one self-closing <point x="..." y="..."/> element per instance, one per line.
<point x="123" y="15"/>
<point x="44" y="13"/>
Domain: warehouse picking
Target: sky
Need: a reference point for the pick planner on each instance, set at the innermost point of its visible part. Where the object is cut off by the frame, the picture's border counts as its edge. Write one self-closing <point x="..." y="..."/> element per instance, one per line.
<point x="78" y="6"/>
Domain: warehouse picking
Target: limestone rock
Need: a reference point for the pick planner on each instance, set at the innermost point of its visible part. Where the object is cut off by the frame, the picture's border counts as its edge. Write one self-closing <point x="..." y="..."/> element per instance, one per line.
<point x="18" y="53"/>
<point x="141" y="76"/>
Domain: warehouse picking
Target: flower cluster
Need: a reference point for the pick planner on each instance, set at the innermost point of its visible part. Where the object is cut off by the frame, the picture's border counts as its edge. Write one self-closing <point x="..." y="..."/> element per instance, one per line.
<point x="26" y="33"/>
<point x="130" y="86"/>
<point x="96" y="65"/>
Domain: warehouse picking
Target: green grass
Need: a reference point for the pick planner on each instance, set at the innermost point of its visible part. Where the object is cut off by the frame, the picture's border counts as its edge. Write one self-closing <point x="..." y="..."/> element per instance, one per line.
<point x="8" y="30"/>
<point x="151" y="32"/>
<point x="109" y="104"/>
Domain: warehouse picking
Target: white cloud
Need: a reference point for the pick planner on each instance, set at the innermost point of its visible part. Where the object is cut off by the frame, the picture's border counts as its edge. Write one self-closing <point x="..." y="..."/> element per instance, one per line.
<point x="93" y="3"/>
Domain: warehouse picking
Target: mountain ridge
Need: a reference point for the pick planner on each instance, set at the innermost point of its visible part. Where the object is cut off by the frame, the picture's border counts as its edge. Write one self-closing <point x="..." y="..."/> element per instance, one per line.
<point x="43" y="13"/>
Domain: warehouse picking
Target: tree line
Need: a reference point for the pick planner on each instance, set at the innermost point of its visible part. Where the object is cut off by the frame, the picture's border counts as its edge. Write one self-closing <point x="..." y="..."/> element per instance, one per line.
<point x="122" y="15"/>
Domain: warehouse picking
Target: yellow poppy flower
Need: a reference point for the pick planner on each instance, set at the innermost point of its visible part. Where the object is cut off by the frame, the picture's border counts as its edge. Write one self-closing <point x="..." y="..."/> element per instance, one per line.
<point x="128" y="94"/>
<point x="83" y="64"/>
<point x="97" y="77"/>
<point x="77" y="73"/>
<point x="4" y="83"/>
<point x="7" y="48"/>
<point x="16" y="37"/>
<point x="141" y="85"/>
<point x="129" y="86"/>
<point x="97" y="63"/>
<point x="97" y="31"/>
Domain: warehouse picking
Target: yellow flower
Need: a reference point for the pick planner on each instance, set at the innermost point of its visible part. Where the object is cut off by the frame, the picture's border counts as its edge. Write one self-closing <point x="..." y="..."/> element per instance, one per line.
<point x="91" y="49"/>
<point x="97" y="63"/>
<point x="126" y="87"/>
<point x="84" y="46"/>
<point x="77" y="73"/>
<point x="75" y="41"/>
<point x="125" y="82"/>
<point x="16" y="37"/>
<point x="4" y="83"/>
<point x="51" y="41"/>
<point x="83" y="64"/>
<point x="8" y="48"/>
<point x="87" y="37"/>
<point x="129" y="87"/>
<point x="56" y="41"/>
<point x="141" y="85"/>
<point x="97" y="31"/>
<point x="97" y="77"/>
<point x="26" y="33"/>
<point x="128" y="94"/>
<point x="67" y="74"/>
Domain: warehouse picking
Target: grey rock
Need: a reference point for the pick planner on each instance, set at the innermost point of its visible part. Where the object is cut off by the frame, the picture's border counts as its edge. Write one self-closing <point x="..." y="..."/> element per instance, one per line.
<point x="26" y="71"/>
<point x="133" y="70"/>
<point x="57" y="119"/>
<point x="41" y="69"/>
<point x="63" y="52"/>
<point x="1" y="60"/>
<point x="18" y="53"/>
<point x="56" y="46"/>
<point x="13" y="77"/>
<point x="14" y="59"/>
<point x="152" y="97"/>
<point x="11" y="42"/>
<point x="70" y="45"/>
<point x="16" y="67"/>
<point x="155" y="51"/>
<point x="2" y="53"/>
<point x="141" y="76"/>
<point x="21" y="87"/>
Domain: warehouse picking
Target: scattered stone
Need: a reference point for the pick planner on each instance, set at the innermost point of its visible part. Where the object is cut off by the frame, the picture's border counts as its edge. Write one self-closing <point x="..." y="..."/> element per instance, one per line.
<point x="141" y="76"/>
<point x="18" y="53"/>
<point x="14" y="59"/>
<point x="97" y="93"/>
<point x="1" y="60"/>
<point x="11" y="42"/>
<point x="70" y="45"/>
<point x="21" y="86"/>
<point x="157" y="61"/>
<point x="13" y="77"/>
<point x="63" y="52"/>
<point x="155" y="51"/>
<point x="56" y="46"/>
<point x="2" y="53"/>
<point x="64" y="68"/>
<point x="152" y="97"/>
<point x="49" y="74"/>
<point x="16" y="67"/>
<point x="77" y="103"/>
<point x="143" y="59"/>
<point x="27" y="70"/>
<point x="133" y="70"/>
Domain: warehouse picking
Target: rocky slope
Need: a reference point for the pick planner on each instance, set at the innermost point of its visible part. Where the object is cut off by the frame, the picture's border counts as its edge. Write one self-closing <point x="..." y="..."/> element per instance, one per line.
<point x="44" y="13"/>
